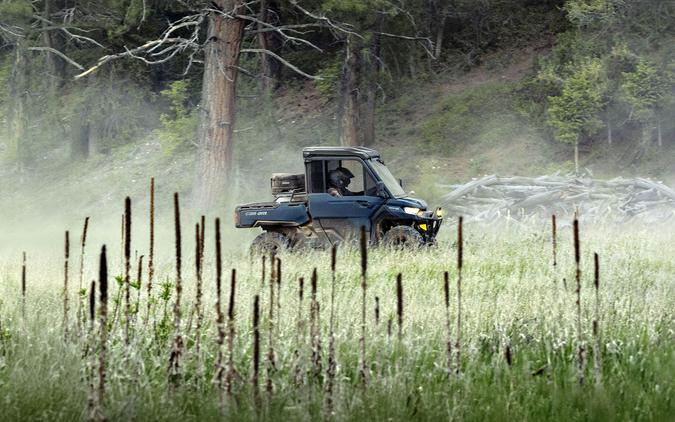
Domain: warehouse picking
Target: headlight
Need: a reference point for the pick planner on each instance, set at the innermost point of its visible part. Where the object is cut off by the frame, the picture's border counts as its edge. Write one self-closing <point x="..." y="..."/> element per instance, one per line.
<point x="412" y="210"/>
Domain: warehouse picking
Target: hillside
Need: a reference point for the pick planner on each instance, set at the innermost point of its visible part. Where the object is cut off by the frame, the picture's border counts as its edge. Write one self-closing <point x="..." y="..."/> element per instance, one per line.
<point x="475" y="112"/>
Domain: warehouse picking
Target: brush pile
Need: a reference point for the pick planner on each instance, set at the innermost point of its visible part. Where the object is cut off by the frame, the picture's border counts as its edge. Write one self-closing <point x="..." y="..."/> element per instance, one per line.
<point x="618" y="200"/>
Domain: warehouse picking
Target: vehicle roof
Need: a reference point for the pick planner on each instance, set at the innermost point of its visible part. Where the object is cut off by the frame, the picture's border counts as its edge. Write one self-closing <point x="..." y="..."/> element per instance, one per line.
<point x="361" y="152"/>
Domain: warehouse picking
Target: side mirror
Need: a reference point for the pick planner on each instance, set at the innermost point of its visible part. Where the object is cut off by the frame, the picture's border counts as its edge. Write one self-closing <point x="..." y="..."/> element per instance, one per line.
<point x="380" y="190"/>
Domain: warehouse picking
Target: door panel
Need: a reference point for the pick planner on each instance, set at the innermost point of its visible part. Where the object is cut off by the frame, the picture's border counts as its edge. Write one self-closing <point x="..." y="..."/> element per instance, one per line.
<point x="342" y="217"/>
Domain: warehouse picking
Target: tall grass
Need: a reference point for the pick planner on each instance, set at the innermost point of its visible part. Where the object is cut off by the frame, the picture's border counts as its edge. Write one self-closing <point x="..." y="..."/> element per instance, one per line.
<point x="519" y="336"/>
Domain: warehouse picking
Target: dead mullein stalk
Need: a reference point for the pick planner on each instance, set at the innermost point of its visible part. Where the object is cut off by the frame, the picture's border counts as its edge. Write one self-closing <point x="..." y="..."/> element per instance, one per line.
<point x="262" y="279"/>
<point x="299" y="334"/>
<point x="65" y="284"/>
<point x="363" y="372"/>
<point x="23" y="285"/>
<point x="199" y="260"/>
<point x="103" y="326"/>
<point x="446" y="295"/>
<point x="377" y="311"/>
<point x="139" y="283"/>
<point x="508" y="356"/>
<point x="332" y="364"/>
<point x="278" y="280"/>
<point x="315" y="329"/>
<point x="127" y="268"/>
<point x="256" y="351"/>
<point x="177" y="347"/>
<point x="581" y="351"/>
<point x="92" y="304"/>
<point x="83" y="243"/>
<point x="554" y="240"/>
<point x="270" y="363"/>
<point x="231" y="371"/>
<point x="597" y="361"/>
<point x="390" y="322"/>
<point x="399" y="304"/>
<point x="91" y="357"/>
<point x="218" y="376"/>
<point x="151" y="256"/>
<point x="460" y="264"/>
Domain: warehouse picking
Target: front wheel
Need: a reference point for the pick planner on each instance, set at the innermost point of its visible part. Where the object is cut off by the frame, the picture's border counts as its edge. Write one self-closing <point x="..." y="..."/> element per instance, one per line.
<point x="270" y="243"/>
<point x="402" y="237"/>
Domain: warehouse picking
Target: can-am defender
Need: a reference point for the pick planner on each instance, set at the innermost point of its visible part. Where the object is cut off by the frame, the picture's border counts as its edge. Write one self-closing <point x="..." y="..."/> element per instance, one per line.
<point x="343" y="188"/>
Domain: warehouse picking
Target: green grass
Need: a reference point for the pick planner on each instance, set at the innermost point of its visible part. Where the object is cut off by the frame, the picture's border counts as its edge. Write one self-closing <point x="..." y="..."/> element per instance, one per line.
<point x="511" y="295"/>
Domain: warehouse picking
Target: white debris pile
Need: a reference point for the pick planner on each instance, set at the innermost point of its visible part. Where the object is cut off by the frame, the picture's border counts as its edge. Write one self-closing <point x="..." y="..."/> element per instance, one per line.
<point x="617" y="200"/>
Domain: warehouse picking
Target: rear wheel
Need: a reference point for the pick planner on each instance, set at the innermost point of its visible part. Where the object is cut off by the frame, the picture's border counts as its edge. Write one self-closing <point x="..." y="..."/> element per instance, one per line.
<point x="402" y="237"/>
<point x="270" y="242"/>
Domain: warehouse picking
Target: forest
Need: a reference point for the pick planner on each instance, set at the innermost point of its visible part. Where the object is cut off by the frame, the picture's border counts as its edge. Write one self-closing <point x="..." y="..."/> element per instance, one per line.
<point x="215" y="85"/>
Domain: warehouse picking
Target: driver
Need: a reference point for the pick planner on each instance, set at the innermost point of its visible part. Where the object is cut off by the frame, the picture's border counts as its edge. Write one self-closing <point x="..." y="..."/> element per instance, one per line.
<point x="338" y="180"/>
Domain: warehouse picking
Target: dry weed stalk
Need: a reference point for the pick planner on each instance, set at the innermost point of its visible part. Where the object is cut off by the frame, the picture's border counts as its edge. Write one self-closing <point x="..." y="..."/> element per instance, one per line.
<point x="399" y="304"/>
<point x="446" y="294"/>
<point x="460" y="264"/>
<point x="581" y="351"/>
<point x="231" y="371"/>
<point x="65" y="284"/>
<point x="218" y="375"/>
<point x="151" y="256"/>
<point x="332" y="364"/>
<point x="363" y="372"/>
<point x="92" y="304"/>
<point x="315" y="327"/>
<point x="377" y="311"/>
<point x="139" y="281"/>
<point x="83" y="243"/>
<point x="278" y="280"/>
<point x="177" y="347"/>
<point x="299" y="334"/>
<point x="127" y="268"/>
<point x="270" y="364"/>
<point x="23" y="285"/>
<point x="256" y="351"/>
<point x="103" y="326"/>
<point x="554" y="240"/>
<point x="597" y="361"/>
<point x="198" y="297"/>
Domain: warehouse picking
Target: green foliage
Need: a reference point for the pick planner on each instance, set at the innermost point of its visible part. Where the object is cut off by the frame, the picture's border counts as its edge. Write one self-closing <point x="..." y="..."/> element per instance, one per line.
<point x="461" y="118"/>
<point x="179" y="128"/>
<point x="15" y="9"/>
<point x="575" y="111"/>
<point x="644" y="90"/>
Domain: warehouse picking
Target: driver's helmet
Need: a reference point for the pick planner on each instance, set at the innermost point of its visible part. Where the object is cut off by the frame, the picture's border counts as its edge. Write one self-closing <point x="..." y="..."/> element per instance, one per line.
<point x="340" y="177"/>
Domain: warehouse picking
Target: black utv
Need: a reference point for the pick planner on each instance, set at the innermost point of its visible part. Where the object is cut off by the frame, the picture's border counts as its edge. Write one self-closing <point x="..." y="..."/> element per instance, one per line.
<point x="343" y="189"/>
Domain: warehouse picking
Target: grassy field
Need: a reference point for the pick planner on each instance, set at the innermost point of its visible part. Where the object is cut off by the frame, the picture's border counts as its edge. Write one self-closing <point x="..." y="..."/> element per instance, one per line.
<point x="518" y="345"/>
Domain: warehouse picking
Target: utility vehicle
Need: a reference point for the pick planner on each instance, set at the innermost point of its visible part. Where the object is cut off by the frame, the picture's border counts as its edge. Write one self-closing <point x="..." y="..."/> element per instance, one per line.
<point x="343" y="189"/>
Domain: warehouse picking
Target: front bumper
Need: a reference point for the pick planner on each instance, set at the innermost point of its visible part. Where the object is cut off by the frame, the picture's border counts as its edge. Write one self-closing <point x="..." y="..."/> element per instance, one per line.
<point x="428" y="225"/>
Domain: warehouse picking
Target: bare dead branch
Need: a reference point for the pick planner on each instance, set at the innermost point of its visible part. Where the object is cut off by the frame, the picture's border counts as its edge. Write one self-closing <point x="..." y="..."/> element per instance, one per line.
<point x="282" y="61"/>
<point x="58" y="53"/>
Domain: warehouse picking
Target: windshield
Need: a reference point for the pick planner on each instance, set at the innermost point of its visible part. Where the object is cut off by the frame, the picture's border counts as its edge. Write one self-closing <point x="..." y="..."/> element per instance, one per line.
<point x="389" y="180"/>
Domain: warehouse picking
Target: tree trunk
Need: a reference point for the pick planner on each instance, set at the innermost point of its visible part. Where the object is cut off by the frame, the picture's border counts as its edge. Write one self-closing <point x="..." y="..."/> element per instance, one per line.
<point x="609" y="132"/>
<point x="270" y="68"/>
<point x="349" y="97"/>
<point x="440" y="32"/>
<point x="372" y="72"/>
<point x="659" y="135"/>
<point x="79" y="147"/>
<point x="218" y="105"/>
<point x="19" y="93"/>
<point x="56" y="67"/>
<point x="576" y="158"/>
